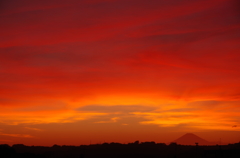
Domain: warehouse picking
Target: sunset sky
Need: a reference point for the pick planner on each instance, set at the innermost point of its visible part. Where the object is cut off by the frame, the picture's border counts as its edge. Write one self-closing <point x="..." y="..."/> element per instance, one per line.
<point x="91" y="71"/>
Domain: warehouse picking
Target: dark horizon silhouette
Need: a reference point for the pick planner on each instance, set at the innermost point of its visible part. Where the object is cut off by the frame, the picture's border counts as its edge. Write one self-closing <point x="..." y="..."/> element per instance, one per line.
<point x="118" y="150"/>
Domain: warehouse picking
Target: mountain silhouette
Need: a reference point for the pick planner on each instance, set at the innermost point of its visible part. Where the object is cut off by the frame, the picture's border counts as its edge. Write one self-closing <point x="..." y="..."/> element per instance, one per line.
<point x="191" y="139"/>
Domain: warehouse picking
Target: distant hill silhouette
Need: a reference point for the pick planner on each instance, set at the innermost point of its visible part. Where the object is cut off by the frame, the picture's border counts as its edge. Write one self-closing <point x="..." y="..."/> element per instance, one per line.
<point x="191" y="139"/>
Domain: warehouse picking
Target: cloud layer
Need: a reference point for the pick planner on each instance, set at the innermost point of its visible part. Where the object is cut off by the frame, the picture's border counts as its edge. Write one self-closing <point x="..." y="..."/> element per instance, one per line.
<point x="171" y="64"/>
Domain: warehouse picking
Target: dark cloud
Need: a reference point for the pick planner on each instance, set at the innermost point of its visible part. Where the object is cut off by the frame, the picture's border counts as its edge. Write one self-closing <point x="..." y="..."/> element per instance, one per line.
<point x="182" y="110"/>
<point x="117" y="108"/>
<point x="216" y="105"/>
<point x="50" y="106"/>
<point x="208" y="103"/>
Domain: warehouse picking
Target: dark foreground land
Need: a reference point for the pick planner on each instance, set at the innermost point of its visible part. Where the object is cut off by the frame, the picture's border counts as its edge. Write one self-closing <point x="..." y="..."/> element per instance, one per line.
<point x="116" y="150"/>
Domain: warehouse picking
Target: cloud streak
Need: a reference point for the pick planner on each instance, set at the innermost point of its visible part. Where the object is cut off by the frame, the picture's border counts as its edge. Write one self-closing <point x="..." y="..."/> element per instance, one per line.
<point x="17" y="135"/>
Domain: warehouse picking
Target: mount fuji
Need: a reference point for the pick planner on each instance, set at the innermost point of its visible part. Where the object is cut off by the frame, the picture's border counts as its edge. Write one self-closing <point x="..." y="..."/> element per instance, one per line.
<point x="191" y="139"/>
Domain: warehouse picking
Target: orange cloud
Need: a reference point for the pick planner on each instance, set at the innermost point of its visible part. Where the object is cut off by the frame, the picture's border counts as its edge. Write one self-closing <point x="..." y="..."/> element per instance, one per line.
<point x="42" y="118"/>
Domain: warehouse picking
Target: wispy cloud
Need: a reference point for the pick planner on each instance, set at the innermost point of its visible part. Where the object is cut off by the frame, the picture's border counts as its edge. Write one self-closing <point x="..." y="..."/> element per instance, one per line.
<point x="16" y="135"/>
<point x="45" y="118"/>
<point x="112" y="120"/>
<point x="198" y="115"/>
<point x="34" y="129"/>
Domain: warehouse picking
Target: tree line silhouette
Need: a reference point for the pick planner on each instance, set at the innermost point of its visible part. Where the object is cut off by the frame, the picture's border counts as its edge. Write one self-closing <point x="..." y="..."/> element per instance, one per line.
<point x="117" y="150"/>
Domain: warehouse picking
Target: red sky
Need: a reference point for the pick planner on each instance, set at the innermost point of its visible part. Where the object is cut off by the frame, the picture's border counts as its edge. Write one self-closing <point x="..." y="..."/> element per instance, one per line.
<point x="74" y="72"/>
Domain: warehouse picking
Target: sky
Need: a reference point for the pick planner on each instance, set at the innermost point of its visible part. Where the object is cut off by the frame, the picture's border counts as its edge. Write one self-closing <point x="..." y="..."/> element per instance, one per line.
<point x="91" y="71"/>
